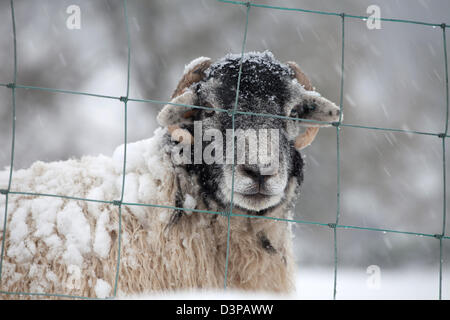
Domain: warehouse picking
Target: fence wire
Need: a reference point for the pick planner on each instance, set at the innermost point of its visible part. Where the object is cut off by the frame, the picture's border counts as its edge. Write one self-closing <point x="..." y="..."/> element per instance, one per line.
<point x="13" y="86"/>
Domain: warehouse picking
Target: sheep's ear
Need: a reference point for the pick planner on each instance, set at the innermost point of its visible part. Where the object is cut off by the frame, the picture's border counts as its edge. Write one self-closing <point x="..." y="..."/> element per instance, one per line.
<point x="312" y="107"/>
<point x="305" y="139"/>
<point x="174" y="115"/>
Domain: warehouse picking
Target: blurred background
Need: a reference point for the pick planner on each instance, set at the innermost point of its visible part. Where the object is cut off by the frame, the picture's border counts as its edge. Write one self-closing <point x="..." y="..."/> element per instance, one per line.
<point x="394" y="78"/>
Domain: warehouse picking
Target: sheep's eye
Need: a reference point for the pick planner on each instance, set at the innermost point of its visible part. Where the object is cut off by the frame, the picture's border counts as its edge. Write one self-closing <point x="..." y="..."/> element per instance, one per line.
<point x="302" y="109"/>
<point x="208" y="112"/>
<point x="294" y="112"/>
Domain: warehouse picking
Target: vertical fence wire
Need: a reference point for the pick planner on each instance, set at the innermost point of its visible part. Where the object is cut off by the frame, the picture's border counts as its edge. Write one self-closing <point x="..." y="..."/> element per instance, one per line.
<point x="338" y="157"/>
<point x="125" y="105"/>
<point x="444" y="173"/>
<point x="233" y="114"/>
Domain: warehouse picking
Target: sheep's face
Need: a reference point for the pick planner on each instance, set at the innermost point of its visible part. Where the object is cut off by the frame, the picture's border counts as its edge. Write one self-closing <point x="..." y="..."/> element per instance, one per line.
<point x="266" y="151"/>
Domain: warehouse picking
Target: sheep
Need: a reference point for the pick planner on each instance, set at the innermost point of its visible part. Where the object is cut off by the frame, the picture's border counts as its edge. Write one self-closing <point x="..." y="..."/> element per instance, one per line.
<point x="61" y="245"/>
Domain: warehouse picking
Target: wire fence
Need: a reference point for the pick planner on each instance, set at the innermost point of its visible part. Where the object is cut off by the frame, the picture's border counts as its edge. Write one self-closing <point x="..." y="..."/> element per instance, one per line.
<point x="334" y="226"/>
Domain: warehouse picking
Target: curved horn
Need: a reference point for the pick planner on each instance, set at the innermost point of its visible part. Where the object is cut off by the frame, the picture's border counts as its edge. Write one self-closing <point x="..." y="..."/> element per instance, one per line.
<point x="306" y="138"/>
<point x="193" y="72"/>
<point x="300" y="76"/>
<point x="172" y="116"/>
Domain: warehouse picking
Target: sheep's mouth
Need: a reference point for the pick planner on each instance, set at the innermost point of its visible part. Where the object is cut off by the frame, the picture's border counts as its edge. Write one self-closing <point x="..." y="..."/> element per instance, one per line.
<point x="318" y="121"/>
<point x="257" y="202"/>
<point x="256" y="196"/>
<point x="261" y="200"/>
<point x="257" y="193"/>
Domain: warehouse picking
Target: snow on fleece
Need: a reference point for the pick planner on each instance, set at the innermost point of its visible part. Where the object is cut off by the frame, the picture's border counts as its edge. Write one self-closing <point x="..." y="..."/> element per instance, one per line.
<point x="63" y="225"/>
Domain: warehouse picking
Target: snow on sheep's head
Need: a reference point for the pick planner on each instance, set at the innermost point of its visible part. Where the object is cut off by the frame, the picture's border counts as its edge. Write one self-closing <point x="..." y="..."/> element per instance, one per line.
<point x="266" y="149"/>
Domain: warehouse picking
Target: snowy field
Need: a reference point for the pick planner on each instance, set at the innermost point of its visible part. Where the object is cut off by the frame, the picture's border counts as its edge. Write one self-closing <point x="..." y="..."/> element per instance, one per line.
<point x="409" y="284"/>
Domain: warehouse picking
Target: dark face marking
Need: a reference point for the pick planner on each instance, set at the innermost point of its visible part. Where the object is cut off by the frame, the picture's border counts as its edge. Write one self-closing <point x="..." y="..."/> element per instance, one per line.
<point x="265" y="243"/>
<point x="264" y="89"/>
<point x="263" y="83"/>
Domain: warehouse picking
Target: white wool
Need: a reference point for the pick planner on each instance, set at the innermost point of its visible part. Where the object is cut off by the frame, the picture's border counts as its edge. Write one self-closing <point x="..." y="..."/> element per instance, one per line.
<point x="31" y="246"/>
<point x="51" y="276"/>
<point x="43" y="231"/>
<point x="131" y="260"/>
<point x="44" y="215"/>
<point x="95" y="194"/>
<point x="131" y="188"/>
<point x="147" y="186"/>
<point x="102" y="288"/>
<point x="2" y="212"/>
<point x="34" y="270"/>
<point x="72" y="255"/>
<point x="75" y="238"/>
<point x="72" y="224"/>
<point x="18" y="226"/>
<point x="152" y="153"/>
<point x="73" y="281"/>
<point x="19" y="252"/>
<point x="102" y="241"/>
<point x="134" y="157"/>
<point x="141" y="155"/>
<point x="193" y="63"/>
<point x="189" y="203"/>
<point x="54" y="244"/>
<point x="4" y="179"/>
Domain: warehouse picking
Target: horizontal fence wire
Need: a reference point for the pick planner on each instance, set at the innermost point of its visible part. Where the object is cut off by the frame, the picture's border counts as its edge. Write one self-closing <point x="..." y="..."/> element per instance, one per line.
<point x="229" y="213"/>
<point x="240" y="112"/>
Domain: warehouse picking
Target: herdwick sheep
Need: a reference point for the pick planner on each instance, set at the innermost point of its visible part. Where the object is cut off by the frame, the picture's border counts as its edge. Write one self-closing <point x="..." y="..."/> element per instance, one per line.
<point x="67" y="246"/>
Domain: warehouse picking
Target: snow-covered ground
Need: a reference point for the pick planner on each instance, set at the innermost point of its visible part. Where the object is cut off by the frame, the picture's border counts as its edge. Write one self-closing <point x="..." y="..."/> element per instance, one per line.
<point x="357" y="284"/>
<point x="352" y="284"/>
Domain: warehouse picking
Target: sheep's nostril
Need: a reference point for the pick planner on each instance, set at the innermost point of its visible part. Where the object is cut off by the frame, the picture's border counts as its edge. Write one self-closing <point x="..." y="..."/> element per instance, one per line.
<point x="252" y="172"/>
<point x="334" y="113"/>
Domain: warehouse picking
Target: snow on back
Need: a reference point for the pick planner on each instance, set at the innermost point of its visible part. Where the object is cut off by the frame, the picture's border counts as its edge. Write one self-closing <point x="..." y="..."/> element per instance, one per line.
<point x="4" y="178"/>
<point x="73" y="225"/>
<point x="44" y="213"/>
<point x="102" y="288"/>
<point x="141" y="156"/>
<point x="73" y="231"/>
<point x="102" y="240"/>
<point x="145" y="171"/>
<point x="18" y="232"/>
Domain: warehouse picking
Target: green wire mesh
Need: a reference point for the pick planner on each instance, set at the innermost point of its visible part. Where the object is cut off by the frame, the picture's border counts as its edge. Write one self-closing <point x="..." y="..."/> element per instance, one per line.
<point x="125" y="99"/>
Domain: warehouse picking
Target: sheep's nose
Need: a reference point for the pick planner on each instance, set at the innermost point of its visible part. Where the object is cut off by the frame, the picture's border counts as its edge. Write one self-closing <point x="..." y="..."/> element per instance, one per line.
<point x="334" y="113"/>
<point x="256" y="174"/>
<point x="252" y="172"/>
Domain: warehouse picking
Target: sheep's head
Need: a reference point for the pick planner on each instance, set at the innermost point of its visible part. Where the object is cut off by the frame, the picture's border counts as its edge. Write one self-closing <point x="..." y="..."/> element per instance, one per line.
<point x="266" y="149"/>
